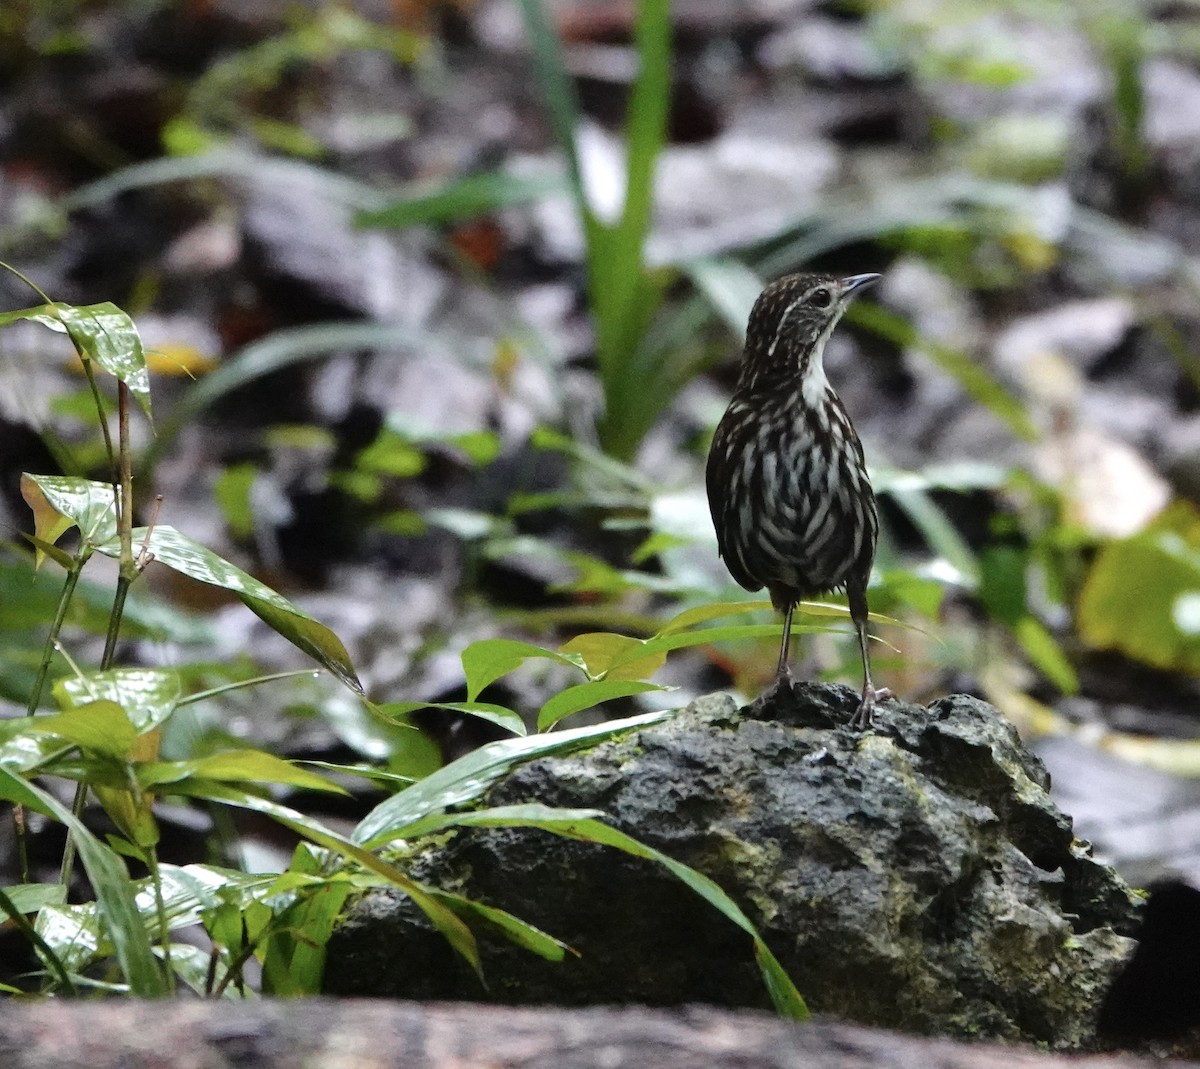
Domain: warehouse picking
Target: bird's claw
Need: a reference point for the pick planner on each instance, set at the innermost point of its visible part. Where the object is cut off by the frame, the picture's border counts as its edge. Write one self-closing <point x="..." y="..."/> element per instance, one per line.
<point x="864" y="716"/>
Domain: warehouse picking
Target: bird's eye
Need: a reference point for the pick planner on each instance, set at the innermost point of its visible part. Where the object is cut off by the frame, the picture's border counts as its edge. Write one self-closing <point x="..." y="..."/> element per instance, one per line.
<point x="821" y="297"/>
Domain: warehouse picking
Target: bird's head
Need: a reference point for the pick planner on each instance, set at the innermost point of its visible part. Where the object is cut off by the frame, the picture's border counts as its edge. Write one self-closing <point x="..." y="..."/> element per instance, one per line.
<point x="790" y="324"/>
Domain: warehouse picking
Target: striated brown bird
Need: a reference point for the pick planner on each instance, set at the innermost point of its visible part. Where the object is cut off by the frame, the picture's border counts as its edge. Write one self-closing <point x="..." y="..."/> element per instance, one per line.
<point x="787" y="481"/>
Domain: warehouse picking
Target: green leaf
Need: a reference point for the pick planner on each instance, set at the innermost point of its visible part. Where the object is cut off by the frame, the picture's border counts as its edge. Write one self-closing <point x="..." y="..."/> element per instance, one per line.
<point x="30" y="897"/>
<point x="294" y="963"/>
<point x="494" y="714"/>
<point x="460" y="199"/>
<point x="100" y="726"/>
<point x="1135" y="595"/>
<point x="456" y="933"/>
<point x="587" y="695"/>
<point x="485" y="662"/>
<point x="516" y="931"/>
<point x="557" y="87"/>
<point x="60" y="502"/>
<point x="1002" y="572"/>
<point x="233" y="766"/>
<point x="105" y="334"/>
<point x="701" y="614"/>
<point x="679" y="640"/>
<point x="467" y="778"/>
<point x="184" y="555"/>
<point x="147" y="695"/>
<point x="610" y="656"/>
<point x="584" y="825"/>
<point x="1046" y="654"/>
<point x="111" y="883"/>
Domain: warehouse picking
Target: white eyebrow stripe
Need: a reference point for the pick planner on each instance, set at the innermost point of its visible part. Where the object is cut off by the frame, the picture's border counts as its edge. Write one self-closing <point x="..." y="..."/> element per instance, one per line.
<point x="783" y="322"/>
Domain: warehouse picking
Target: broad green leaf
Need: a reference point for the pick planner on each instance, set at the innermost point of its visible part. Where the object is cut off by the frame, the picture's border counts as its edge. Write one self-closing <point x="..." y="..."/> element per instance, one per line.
<point x="584" y="825"/>
<point x="495" y="714"/>
<point x="485" y="662"/>
<point x="184" y="555"/>
<point x="105" y="334"/>
<point x="73" y="935"/>
<point x="60" y="502"/>
<point x="463" y="198"/>
<point x="99" y="332"/>
<point x="456" y="933"/>
<point x="1132" y="595"/>
<point x="110" y="881"/>
<point x="587" y="695"/>
<point x="467" y="778"/>
<point x="148" y="695"/>
<point x="100" y="726"/>
<point x="30" y="897"/>
<point x="233" y="766"/>
<point x="610" y="656"/>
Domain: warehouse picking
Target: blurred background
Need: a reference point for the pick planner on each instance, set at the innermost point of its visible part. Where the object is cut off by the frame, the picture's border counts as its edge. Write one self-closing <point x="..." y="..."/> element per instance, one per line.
<point x="439" y="331"/>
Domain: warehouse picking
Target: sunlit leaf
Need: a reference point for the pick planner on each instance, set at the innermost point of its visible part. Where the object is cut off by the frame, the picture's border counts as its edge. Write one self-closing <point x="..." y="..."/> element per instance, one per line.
<point x="60" y="502"/>
<point x="701" y="614"/>
<point x="485" y="662"/>
<point x="467" y="778"/>
<point x="234" y="766"/>
<point x="148" y="695"/>
<point x="1129" y="598"/>
<point x="588" y="695"/>
<point x="107" y="335"/>
<point x="615" y="656"/>
<point x="100" y="726"/>
<point x="184" y="555"/>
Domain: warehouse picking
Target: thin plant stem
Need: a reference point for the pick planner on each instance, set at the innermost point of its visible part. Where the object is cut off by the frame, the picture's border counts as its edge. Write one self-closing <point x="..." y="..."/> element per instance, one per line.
<point x="164" y="929"/>
<point x="39" y="684"/>
<point x="90" y="372"/>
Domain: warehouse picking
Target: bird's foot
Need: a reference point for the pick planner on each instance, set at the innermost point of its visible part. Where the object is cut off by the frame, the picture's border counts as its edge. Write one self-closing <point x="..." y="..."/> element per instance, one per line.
<point x="781" y="689"/>
<point x="864" y="716"/>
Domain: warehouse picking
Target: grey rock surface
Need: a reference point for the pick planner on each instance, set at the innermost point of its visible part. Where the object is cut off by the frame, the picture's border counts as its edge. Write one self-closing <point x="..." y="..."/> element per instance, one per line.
<point x="916" y="877"/>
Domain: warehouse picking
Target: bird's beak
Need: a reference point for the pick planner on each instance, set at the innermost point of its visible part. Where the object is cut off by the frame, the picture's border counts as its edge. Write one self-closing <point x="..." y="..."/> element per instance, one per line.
<point x="853" y="283"/>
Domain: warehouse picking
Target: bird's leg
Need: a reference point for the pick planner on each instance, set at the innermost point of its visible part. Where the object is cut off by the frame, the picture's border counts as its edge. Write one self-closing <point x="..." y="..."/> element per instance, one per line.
<point x="864" y="715"/>
<point x="783" y="672"/>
